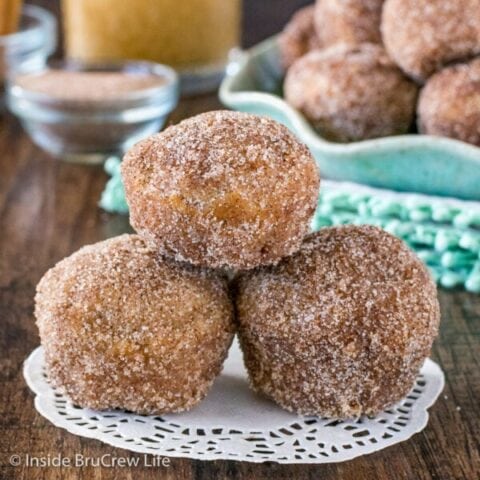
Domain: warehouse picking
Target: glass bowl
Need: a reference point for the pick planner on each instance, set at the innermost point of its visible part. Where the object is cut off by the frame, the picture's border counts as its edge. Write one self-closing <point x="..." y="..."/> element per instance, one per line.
<point x="27" y="49"/>
<point x="88" y="131"/>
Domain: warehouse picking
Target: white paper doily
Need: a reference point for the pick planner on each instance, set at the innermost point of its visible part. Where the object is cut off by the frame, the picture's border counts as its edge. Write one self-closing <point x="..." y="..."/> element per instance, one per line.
<point x="234" y="423"/>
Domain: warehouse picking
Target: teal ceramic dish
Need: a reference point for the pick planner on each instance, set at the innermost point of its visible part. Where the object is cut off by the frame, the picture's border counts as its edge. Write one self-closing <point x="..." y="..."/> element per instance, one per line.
<point x="413" y="163"/>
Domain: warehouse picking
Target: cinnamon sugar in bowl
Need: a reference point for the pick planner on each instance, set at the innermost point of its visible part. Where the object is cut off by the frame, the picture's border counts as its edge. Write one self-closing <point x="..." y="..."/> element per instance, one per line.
<point x="85" y="112"/>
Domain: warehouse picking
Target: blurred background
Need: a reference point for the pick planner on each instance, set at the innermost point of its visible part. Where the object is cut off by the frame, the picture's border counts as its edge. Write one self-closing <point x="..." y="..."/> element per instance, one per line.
<point x="261" y="18"/>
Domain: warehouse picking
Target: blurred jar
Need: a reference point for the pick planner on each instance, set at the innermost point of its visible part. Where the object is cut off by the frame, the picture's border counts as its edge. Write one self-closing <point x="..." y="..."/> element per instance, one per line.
<point x="27" y="49"/>
<point x="193" y="36"/>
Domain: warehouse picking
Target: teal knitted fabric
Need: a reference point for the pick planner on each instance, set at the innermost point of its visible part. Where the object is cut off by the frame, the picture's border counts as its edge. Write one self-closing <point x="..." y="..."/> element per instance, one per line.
<point x="113" y="197"/>
<point x="445" y="233"/>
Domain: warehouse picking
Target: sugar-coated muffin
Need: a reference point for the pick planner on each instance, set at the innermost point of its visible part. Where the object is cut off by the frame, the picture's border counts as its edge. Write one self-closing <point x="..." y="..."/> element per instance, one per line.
<point x="342" y="327"/>
<point x="449" y="103"/>
<point x="348" y="21"/>
<point x="351" y="93"/>
<point x="422" y="36"/>
<point x="222" y="189"/>
<point x="298" y="37"/>
<point x="123" y="328"/>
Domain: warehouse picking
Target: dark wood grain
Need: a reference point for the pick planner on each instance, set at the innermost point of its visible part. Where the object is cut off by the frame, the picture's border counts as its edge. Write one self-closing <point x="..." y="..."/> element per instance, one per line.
<point x="49" y="209"/>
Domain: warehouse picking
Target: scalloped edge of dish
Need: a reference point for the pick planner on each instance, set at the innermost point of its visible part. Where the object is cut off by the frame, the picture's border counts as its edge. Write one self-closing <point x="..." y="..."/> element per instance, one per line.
<point x="234" y="98"/>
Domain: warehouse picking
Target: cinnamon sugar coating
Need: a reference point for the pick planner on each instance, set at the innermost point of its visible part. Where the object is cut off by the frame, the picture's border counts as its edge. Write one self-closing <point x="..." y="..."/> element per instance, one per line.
<point x="298" y="37"/>
<point x="342" y="327"/>
<point x="351" y="93"/>
<point x="85" y="86"/>
<point x="449" y="103"/>
<point x="124" y="328"/>
<point x="222" y="189"/>
<point x="348" y="21"/>
<point x="422" y="36"/>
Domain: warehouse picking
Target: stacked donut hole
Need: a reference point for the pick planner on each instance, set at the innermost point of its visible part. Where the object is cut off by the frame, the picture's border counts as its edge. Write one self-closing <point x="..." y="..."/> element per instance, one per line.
<point x="335" y="324"/>
<point x="361" y="69"/>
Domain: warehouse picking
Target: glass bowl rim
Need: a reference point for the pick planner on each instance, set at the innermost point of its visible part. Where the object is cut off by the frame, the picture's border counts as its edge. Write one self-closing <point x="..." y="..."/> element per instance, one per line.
<point x="152" y="95"/>
<point x="43" y="20"/>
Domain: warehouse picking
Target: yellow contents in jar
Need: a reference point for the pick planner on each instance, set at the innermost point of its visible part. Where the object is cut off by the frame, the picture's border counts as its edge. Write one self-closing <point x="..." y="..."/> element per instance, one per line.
<point x="9" y="15"/>
<point x="181" y="33"/>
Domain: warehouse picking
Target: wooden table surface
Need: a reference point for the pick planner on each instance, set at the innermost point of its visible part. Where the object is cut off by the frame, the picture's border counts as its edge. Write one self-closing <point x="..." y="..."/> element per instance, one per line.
<point x="48" y="209"/>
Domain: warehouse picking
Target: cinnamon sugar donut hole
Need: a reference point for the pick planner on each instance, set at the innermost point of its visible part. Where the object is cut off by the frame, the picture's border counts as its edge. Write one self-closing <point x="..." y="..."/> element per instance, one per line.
<point x="222" y="189"/>
<point x="342" y="327"/>
<point x="422" y="36"/>
<point x="124" y="328"/>
<point x="351" y="93"/>
<point x="449" y="103"/>
<point x="298" y="37"/>
<point x="348" y="21"/>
